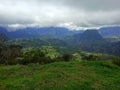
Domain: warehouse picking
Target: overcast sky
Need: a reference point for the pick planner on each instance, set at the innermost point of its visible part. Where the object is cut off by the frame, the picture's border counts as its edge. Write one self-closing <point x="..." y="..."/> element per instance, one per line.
<point x="74" y="14"/>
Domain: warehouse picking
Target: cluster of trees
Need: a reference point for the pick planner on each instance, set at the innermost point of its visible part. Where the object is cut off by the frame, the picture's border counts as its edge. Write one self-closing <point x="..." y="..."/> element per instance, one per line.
<point x="9" y="54"/>
<point x="15" y="54"/>
<point x="42" y="55"/>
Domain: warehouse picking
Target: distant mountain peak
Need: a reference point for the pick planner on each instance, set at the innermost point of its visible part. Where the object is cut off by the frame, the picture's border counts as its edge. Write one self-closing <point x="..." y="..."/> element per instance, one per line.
<point x="91" y="35"/>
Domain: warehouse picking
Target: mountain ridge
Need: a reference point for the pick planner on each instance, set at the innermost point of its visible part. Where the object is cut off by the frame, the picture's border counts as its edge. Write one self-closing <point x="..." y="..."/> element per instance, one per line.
<point x="45" y="32"/>
<point x="55" y="32"/>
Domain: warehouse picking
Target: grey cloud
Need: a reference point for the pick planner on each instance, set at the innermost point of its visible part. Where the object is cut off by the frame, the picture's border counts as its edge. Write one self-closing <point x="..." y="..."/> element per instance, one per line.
<point x="95" y="4"/>
<point x="74" y="14"/>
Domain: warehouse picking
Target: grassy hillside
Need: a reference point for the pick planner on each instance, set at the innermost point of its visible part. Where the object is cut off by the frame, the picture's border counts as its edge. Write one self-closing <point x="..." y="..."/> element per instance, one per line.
<point x="86" y="75"/>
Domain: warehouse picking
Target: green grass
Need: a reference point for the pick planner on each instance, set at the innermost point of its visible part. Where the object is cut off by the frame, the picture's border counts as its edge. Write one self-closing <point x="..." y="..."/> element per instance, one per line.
<point x="87" y="75"/>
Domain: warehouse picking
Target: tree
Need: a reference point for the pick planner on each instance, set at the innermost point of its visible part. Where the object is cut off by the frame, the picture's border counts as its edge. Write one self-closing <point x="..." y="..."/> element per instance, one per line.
<point x="9" y="54"/>
<point x="44" y="54"/>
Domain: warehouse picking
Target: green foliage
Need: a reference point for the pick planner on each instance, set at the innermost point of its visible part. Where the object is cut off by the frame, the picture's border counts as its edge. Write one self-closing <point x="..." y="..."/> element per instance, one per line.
<point x="67" y="57"/>
<point x="97" y="56"/>
<point x="76" y="57"/>
<point x="70" y="57"/>
<point x="116" y="61"/>
<point x="49" y="52"/>
<point x="89" y="56"/>
<point x="44" y="54"/>
<point x="9" y="54"/>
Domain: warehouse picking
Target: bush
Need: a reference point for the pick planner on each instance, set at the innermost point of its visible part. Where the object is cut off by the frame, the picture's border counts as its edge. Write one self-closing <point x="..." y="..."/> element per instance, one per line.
<point x="69" y="57"/>
<point x="117" y="61"/>
<point x="76" y="57"/>
<point x="91" y="57"/>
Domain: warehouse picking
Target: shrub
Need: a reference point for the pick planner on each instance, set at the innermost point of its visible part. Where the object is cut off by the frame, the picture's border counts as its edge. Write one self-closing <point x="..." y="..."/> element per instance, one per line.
<point x="67" y="57"/>
<point x="87" y="56"/>
<point x="70" y="57"/>
<point x="76" y="57"/>
<point x="117" y="61"/>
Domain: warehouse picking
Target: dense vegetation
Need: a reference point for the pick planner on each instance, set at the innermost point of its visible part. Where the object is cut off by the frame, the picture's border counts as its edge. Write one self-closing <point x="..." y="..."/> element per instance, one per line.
<point x="15" y="54"/>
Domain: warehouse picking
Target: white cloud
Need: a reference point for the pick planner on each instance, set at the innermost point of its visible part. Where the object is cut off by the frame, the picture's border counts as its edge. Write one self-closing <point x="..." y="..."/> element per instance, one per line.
<point x="73" y="14"/>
